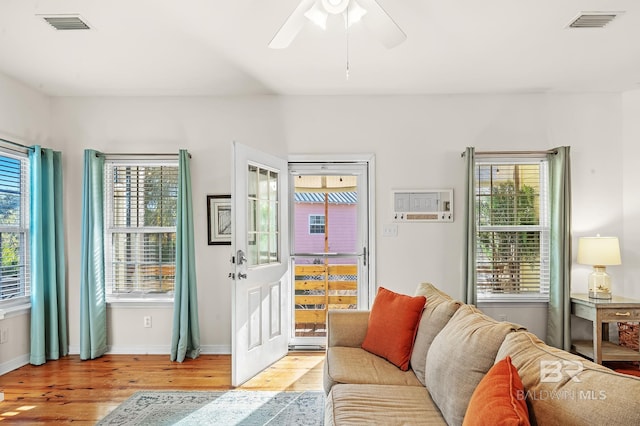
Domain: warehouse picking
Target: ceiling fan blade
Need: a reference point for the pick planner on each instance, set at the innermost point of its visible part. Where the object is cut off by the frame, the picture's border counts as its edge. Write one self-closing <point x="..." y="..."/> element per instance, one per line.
<point x="381" y="24"/>
<point x="291" y="26"/>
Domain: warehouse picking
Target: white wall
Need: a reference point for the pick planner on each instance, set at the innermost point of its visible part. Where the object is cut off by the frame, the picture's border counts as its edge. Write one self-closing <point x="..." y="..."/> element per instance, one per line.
<point x="417" y="141"/>
<point x="206" y="128"/>
<point x="24" y="118"/>
<point x="631" y="195"/>
<point x="24" y="113"/>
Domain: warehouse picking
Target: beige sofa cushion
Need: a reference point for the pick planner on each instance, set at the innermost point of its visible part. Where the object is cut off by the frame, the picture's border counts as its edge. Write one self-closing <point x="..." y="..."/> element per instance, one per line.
<point x="460" y="356"/>
<point x="438" y="311"/>
<point x="357" y="366"/>
<point x="428" y="290"/>
<point x="346" y="327"/>
<point x="380" y="405"/>
<point x="596" y="396"/>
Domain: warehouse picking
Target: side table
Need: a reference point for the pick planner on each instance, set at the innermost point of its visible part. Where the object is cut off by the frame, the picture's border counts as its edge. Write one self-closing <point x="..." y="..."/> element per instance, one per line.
<point x="601" y="312"/>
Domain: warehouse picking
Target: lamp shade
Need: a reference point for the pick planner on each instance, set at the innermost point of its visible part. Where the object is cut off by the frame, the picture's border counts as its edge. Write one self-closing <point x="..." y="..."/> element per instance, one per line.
<point x="599" y="251"/>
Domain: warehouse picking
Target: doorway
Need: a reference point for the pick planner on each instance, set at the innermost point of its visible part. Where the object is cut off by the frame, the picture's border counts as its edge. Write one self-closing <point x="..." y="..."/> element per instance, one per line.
<point x="330" y="219"/>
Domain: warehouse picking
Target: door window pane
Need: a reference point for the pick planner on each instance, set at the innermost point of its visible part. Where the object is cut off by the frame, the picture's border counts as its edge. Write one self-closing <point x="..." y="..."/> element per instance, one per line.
<point x="252" y="182"/>
<point x="262" y="232"/>
<point x="325" y="221"/>
<point x="263" y="188"/>
<point x="330" y="217"/>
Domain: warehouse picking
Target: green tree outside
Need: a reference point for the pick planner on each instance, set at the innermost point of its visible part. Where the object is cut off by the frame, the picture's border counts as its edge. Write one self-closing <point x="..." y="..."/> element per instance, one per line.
<point x="510" y="204"/>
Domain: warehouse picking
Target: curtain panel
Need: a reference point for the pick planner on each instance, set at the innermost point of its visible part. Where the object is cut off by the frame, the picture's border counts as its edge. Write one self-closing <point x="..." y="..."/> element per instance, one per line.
<point x="469" y="293"/>
<point x="559" y="315"/>
<point x="49" y="338"/>
<point x="185" y="339"/>
<point x="93" y="305"/>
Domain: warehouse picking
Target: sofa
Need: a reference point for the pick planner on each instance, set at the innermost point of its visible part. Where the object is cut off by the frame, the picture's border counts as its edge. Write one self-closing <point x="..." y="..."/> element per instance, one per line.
<point x="454" y="355"/>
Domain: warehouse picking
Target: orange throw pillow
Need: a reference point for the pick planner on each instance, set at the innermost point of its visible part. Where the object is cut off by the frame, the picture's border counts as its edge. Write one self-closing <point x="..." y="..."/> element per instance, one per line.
<point x="393" y="323"/>
<point x="499" y="398"/>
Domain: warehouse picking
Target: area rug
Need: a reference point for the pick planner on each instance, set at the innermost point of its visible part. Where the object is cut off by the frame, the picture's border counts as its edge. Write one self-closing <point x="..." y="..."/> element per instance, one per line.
<point x="623" y="367"/>
<point x="234" y="407"/>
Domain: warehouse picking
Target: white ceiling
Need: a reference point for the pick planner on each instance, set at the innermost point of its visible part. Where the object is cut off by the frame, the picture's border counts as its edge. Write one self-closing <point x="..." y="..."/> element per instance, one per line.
<point x="215" y="47"/>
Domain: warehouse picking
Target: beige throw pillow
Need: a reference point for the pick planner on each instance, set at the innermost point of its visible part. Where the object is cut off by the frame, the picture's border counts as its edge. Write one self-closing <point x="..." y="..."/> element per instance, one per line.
<point x="459" y="357"/>
<point x="437" y="313"/>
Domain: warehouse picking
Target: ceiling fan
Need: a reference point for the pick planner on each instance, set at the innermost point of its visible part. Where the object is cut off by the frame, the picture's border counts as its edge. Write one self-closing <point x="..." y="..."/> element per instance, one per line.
<point x="373" y="16"/>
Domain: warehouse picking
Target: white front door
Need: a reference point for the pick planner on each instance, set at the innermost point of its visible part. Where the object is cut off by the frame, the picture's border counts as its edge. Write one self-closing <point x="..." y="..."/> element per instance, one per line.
<point x="260" y="242"/>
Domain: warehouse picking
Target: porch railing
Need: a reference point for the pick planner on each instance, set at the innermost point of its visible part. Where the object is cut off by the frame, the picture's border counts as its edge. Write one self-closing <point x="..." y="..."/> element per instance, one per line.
<point x="319" y="288"/>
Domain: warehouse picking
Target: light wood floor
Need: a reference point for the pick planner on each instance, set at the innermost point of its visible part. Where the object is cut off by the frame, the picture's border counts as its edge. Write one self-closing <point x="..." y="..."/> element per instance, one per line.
<point x="70" y="390"/>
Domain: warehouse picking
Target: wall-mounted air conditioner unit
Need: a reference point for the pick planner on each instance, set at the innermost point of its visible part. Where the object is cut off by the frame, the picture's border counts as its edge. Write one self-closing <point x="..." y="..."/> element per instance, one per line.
<point x="423" y="205"/>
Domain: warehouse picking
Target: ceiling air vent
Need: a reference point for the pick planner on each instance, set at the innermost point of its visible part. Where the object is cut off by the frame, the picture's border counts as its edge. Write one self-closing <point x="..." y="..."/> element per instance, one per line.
<point x="593" y="19"/>
<point x="66" y="22"/>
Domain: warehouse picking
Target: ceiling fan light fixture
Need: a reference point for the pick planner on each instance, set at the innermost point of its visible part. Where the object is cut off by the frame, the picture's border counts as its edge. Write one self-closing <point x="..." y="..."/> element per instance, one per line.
<point x="354" y="14"/>
<point x="335" y="7"/>
<point x="317" y="15"/>
<point x="373" y="17"/>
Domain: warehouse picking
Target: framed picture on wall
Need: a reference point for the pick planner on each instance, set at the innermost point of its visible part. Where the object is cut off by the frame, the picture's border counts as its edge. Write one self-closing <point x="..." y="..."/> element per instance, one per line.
<point x="219" y="219"/>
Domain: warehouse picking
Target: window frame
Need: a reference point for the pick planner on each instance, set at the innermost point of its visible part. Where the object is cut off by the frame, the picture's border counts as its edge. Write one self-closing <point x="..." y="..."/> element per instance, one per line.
<point x="544" y="229"/>
<point x="138" y="295"/>
<point x="23" y="230"/>
<point x="324" y="223"/>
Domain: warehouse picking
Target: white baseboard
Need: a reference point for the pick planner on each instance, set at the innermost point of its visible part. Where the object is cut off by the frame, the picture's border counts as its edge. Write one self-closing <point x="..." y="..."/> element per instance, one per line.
<point x="215" y="349"/>
<point x="23" y="360"/>
<point x="14" y="364"/>
<point x="156" y="350"/>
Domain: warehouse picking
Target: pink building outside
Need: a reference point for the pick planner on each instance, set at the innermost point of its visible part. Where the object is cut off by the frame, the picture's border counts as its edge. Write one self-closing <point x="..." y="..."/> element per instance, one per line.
<point x="309" y="225"/>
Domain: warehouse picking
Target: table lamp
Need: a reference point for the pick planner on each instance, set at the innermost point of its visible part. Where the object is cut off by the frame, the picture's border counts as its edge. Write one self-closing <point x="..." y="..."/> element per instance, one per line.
<point x="599" y="252"/>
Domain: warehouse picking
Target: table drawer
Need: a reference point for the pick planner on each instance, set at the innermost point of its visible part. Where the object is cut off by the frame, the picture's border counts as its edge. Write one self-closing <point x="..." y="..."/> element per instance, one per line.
<point x="620" y="314"/>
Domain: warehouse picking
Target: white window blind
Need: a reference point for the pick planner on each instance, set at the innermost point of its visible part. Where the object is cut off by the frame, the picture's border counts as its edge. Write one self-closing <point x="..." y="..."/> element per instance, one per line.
<point x="141" y="203"/>
<point x="14" y="227"/>
<point x="512" y="228"/>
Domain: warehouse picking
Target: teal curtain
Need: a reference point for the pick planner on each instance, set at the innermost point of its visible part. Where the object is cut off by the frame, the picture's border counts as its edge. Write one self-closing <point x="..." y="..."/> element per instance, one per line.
<point x="48" y="286"/>
<point x="93" y="305"/>
<point x="469" y="293"/>
<point x="559" y="314"/>
<point x="185" y="340"/>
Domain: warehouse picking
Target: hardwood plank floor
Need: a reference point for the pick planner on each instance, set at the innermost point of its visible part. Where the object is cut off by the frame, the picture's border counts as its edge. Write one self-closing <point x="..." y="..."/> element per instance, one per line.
<point x="82" y="392"/>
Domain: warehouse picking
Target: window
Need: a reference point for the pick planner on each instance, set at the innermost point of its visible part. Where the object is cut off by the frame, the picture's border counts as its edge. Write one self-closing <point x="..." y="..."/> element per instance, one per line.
<point x="141" y="205"/>
<point x="14" y="227"/>
<point x="512" y="228"/>
<point x="263" y="196"/>
<point x="316" y="224"/>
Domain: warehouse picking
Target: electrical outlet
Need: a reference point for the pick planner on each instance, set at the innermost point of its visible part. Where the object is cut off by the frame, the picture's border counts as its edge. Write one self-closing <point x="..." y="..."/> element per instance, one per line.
<point x="147" y="322"/>
<point x="4" y="335"/>
<point x="390" y="230"/>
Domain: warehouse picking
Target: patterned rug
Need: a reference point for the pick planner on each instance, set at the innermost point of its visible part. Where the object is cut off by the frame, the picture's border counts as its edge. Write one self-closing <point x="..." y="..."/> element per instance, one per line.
<point x="234" y="407"/>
